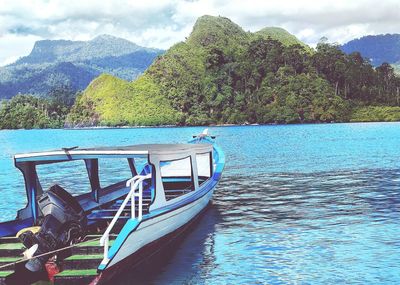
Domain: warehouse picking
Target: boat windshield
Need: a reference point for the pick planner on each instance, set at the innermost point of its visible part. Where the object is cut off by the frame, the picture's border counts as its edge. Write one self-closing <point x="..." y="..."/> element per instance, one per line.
<point x="73" y="176"/>
<point x="113" y="171"/>
<point x="70" y="175"/>
<point x="177" y="177"/>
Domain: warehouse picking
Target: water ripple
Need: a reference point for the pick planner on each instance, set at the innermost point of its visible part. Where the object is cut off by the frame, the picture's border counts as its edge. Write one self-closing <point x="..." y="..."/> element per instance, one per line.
<point x="310" y="204"/>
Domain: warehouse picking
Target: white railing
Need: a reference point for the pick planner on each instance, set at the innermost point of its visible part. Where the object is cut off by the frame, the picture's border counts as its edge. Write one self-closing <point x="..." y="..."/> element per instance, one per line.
<point x="133" y="183"/>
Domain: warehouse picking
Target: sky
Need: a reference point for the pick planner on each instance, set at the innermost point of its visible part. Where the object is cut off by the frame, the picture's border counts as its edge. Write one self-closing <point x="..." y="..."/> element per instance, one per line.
<point x="162" y="23"/>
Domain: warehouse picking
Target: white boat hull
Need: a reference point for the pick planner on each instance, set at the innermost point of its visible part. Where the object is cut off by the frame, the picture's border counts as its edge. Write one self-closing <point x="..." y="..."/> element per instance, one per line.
<point x="158" y="227"/>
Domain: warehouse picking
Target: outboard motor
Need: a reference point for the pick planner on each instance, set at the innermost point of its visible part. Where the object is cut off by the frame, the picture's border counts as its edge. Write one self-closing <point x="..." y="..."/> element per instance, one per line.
<point x="63" y="223"/>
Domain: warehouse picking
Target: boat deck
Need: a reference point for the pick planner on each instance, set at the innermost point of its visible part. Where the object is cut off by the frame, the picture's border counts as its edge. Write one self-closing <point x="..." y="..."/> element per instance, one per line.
<point x="81" y="262"/>
<point x="80" y="267"/>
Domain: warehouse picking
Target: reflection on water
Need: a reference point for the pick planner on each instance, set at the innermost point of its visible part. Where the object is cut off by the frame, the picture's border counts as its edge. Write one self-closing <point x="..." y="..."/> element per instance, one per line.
<point x="322" y="228"/>
<point x="282" y="228"/>
<point x="310" y="204"/>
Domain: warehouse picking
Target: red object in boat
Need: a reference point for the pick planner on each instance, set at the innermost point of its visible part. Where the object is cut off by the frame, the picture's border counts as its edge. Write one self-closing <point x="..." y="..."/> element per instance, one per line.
<point x="52" y="269"/>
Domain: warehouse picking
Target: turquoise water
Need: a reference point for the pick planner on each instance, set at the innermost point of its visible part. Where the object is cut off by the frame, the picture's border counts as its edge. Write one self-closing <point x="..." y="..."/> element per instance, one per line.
<point x="298" y="204"/>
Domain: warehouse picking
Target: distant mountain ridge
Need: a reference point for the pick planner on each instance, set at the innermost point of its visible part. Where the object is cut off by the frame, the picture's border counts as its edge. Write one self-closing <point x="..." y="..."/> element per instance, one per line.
<point x="74" y="64"/>
<point x="72" y="51"/>
<point x="378" y="48"/>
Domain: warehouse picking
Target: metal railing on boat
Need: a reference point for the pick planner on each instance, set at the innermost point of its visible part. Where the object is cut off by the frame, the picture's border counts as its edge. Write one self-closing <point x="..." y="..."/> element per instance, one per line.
<point x="135" y="183"/>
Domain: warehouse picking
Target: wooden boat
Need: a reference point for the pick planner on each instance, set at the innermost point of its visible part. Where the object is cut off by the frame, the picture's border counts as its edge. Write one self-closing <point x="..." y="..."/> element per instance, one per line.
<point x="88" y="238"/>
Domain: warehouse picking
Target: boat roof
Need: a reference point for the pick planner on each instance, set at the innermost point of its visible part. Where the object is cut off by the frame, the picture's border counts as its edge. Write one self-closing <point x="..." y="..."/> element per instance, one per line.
<point x="120" y="151"/>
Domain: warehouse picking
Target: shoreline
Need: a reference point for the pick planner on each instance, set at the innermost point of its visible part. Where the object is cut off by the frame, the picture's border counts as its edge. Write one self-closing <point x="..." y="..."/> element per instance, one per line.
<point x="195" y="126"/>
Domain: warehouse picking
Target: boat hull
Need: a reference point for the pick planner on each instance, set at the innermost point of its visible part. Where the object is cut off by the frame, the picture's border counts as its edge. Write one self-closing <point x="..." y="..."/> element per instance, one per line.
<point x="152" y="235"/>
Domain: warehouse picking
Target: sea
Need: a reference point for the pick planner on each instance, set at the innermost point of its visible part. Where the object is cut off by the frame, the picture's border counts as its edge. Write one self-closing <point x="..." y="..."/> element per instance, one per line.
<point x="297" y="204"/>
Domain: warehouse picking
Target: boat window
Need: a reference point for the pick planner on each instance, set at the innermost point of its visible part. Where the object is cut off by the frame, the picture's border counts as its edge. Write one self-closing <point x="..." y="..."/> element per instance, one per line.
<point x="177" y="177"/>
<point x="70" y="175"/>
<point x="113" y="171"/>
<point x="203" y="166"/>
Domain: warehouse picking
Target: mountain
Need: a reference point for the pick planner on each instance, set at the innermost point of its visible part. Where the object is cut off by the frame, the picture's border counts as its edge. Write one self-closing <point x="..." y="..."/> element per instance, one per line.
<point x="194" y="79"/>
<point x="224" y="75"/>
<point x="54" y="63"/>
<point x="378" y="49"/>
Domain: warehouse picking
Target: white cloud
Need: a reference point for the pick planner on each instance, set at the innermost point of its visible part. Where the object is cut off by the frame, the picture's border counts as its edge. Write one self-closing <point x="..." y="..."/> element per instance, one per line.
<point x="13" y="47"/>
<point x="164" y="22"/>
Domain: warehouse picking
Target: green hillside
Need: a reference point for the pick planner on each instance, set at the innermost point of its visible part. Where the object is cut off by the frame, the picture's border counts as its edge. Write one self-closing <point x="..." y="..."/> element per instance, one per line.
<point x="112" y="101"/>
<point x="216" y="31"/>
<point x="281" y="35"/>
<point x="222" y="74"/>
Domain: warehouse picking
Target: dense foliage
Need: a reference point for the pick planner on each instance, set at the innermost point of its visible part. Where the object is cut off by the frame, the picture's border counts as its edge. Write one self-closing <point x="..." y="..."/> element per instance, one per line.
<point x="376" y="114"/>
<point x="28" y="112"/>
<point x="250" y="78"/>
<point x="54" y="63"/>
<point x="355" y="79"/>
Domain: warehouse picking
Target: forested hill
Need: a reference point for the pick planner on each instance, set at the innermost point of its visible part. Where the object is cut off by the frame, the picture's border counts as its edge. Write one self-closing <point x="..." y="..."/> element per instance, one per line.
<point x="73" y="65"/>
<point x="222" y="74"/>
<point x="379" y="48"/>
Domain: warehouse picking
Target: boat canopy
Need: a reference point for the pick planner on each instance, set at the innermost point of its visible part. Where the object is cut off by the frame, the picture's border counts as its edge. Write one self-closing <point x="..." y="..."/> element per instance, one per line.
<point x="155" y="155"/>
<point x="103" y="152"/>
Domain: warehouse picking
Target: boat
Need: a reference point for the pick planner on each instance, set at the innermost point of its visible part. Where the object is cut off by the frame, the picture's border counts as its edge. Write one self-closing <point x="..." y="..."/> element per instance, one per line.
<point x="87" y="238"/>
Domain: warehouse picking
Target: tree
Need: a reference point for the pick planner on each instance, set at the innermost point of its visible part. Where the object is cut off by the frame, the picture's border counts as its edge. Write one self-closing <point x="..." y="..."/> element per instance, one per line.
<point x="28" y="112"/>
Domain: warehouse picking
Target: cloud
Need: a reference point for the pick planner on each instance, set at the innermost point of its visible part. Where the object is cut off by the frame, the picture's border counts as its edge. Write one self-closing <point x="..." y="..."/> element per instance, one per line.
<point x="164" y="22"/>
<point x="13" y="47"/>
